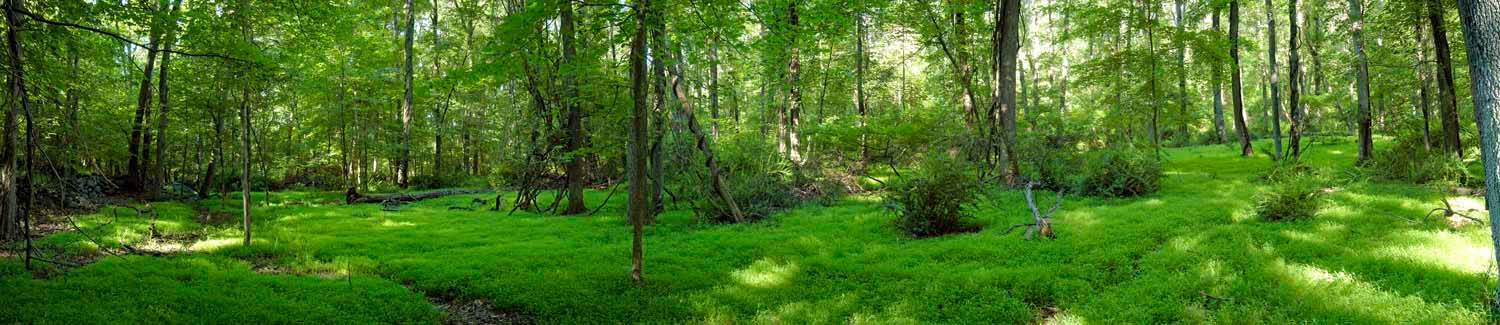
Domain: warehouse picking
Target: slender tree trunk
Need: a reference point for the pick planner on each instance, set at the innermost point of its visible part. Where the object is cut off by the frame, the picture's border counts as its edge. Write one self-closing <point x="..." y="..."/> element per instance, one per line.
<point x="1007" y="45"/>
<point x="1423" y="81"/>
<point x="859" y="84"/>
<point x="1481" y="25"/>
<point x="575" y="115"/>
<point x="403" y="163"/>
<point x="794" y="95"/>
<point x="1294" y="82"/>
<point x="1362" y="79"/>
<point x="440" y="110"/>
<point x="1182" y="91"/>
<point x="1446" y="97"/>
<point x="159" y="170"/>
<point x="639" y="207"/>
<point x="1275" y="77"/>
<point x="1216" y="81"/>
<point x="1236" y="85"/>
<point x="136" y="179"/>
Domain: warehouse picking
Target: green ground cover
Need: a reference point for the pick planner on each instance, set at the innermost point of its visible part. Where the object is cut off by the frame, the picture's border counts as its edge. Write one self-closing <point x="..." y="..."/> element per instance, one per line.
<point x="1194" y="252"/>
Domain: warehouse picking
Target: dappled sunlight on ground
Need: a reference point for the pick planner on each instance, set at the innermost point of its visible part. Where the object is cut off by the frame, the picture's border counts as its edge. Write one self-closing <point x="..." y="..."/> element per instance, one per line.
<point x="1195" y="252"/>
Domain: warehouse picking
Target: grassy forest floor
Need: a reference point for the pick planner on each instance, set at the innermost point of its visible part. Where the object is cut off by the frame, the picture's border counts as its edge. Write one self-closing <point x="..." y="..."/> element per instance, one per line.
<point x="1194" y="252"/>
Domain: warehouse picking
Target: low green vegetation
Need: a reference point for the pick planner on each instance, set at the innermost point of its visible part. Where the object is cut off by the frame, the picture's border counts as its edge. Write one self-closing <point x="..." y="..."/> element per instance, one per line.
<point x="1194" y="251"/>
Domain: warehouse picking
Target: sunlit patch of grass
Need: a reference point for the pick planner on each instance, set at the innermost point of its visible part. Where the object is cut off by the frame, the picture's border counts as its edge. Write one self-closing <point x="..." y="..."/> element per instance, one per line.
<point x="1193" y="252"/>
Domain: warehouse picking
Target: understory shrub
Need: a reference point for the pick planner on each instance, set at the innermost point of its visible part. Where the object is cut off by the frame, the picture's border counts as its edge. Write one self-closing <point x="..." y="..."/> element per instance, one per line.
<point x="1407" y="160"/>
<point x="1053" y="163"/>
<point x="1119" y="173"/>
<point x="1296" y="192"/>
<point x="933" y="203"/>
<point x="756" y="176"/>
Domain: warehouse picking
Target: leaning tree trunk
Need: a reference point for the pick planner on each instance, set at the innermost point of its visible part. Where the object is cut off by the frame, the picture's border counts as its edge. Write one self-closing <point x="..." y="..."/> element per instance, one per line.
<point x="719" y="187"/>
<point x="1446" y="97"/>
<point x="1236" y="84"/>
<point x="1481" y="25"/>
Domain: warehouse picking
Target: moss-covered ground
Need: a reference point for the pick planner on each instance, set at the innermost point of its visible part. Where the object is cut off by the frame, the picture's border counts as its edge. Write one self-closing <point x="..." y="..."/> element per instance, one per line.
<point x="1194" y="252"/>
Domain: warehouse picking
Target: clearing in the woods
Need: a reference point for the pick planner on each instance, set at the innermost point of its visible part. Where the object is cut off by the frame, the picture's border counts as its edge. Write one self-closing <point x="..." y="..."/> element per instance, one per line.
<point x="1193" y="252"/>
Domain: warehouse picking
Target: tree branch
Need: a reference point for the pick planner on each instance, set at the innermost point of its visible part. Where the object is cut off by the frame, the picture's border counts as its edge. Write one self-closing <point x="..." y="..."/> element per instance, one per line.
<point x="44" y="20"/>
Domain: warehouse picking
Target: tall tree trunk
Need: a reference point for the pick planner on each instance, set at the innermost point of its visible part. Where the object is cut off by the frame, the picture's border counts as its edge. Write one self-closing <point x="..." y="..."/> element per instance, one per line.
<point x="1362" y="79"/>
<point x="639" y="207"/>
<point x="859" y="84"/>
<point x="1275" y="78"/>
<point x="1481" y="25"/>
<point x="136" y="179"/>
<point x="574" y="167"/>
<point x="1236" y="85"/>
<point x="403" y="163"/>
<point x="1182" y="91"/>
<point x="159" y="170"/>
<point x="713" y="86"/>
<point x="1294" y="82"/>
<point x="1446" y="97"/>
<point x="1216" y="81"/>
<point x="12" y="224"/>
<point x="1423" y="80"/>
<point x="794" y="94"/>
<point x="440" y="110"/>
<point x="1006" y="45"/>
<point x="1151" y="81"/>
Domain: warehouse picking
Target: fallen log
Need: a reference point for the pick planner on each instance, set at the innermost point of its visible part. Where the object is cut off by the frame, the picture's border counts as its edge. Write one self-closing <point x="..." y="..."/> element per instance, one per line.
<point x="352" y="196"/>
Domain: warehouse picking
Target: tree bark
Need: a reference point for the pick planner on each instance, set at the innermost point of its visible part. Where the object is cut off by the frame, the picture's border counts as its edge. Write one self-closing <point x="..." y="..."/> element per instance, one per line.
<point x="1446" y="97"/>
<point x="639" y="207"/>
<point x="1481" y="26"/>
<point x="159" y="170"/>
<point x="1007" y="45"/>
<point x="1275" y="78"/>
<point x="1236" y="85"/>
<point x="718" y="185"/>
<point x="12" y="224"/>
<point x="136" y="179"/>
<point x="574" y="167"/>
<point x="1182" y="91"/>
<point x="1294" y="84"/>
<point x="1362" y="79"/>
<point x="403" y="163"/>
<point x="1216" y="81"/>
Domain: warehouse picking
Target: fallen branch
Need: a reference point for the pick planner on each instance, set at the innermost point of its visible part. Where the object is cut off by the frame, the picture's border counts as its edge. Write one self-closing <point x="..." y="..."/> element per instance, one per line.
<point x="352" y="196"/>
<point x="1041" y="222"/>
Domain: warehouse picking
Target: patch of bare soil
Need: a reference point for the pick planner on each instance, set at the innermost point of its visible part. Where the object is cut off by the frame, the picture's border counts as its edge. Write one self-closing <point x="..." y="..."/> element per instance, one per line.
<point x="477" y="311"/>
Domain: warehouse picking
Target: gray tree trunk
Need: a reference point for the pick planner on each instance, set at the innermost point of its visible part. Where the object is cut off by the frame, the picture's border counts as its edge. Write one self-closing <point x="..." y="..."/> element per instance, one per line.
<point x="1237" y="86"/>
<point x="639" y="203"/>
<point x="1446" y="98"/>
<point x="575" y="115"/>
<point x="1362" y="78"/>
<point x="403" y="163"/>
<point x="1481" y="25"/>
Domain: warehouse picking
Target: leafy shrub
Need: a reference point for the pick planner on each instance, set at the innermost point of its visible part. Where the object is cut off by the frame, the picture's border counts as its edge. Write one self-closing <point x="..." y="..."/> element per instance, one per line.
<point x="756" y="176"/>
<point x="1119" y="173"/>
<point x="1053" y="163"/>
<point x="1407" y="160"/>
<point x="933" y="203"/>
<point x="1296" y="192"/>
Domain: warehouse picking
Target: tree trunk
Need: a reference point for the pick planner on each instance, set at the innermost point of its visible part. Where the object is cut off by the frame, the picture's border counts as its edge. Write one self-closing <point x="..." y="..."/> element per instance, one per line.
<point x="1294" y="84"/>
<point x="1182" y="91"/>
<point x="1423" y="81"/>
<point x="1481" y="25"/>
<point x="859" y="85"/>
<point x="136" y="179"/>
<point x="718" y="185"/>
<point x="794" y="93"/>
<point x="1216" y="81"/>
<point x="574" y="167"/>
<point x="12" y="224"/>
<point x="1236" y="85"/>
<point x="1362" y="79"/>
<point x="159" y="170"/>
<point x="1446" y="97"/>
<point x="403" y="163"/>
<point x="639" y="203"/>
<point x="1275" y="78"/>
<point x="1006" y="44"/>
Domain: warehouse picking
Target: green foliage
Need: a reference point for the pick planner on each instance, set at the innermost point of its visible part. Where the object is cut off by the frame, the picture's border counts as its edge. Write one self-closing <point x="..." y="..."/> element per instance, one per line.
<point x="1297" y="192"/>
<point x="936" y="201"/>
<point x="1119" y="173"/>
<point x="1407" y="160"/>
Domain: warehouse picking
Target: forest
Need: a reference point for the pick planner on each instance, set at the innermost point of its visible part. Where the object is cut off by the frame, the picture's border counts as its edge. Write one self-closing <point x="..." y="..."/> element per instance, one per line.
<point x="750" y="161"/>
